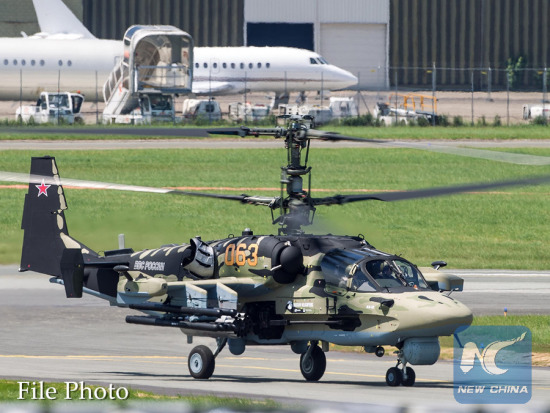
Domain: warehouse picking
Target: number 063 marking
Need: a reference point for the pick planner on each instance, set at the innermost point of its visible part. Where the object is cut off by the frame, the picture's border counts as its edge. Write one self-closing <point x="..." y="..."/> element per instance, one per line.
<point x="237" y="255"/>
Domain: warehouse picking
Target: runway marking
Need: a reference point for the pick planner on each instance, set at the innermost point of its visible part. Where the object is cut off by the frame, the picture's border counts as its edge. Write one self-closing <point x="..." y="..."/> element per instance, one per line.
<point x="160" y="360"/>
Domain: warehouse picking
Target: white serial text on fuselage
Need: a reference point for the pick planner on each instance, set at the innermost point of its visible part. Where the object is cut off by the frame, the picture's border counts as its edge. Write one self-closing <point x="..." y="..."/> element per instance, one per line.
<point x="149" y="265"/>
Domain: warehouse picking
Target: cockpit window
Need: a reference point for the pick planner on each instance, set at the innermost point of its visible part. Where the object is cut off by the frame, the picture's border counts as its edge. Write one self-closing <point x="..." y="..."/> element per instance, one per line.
<point x="411" y="274"/>
<point x="322" y="60"/>
<point x="312" y="61"/>
<point x="384" y="274"/>
<point x="360" y="282"/>
<point x="337" y="264"/>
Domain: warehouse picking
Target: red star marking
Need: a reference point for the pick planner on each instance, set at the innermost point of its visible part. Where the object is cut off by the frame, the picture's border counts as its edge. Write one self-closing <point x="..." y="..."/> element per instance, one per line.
<point x="42" y="188"/>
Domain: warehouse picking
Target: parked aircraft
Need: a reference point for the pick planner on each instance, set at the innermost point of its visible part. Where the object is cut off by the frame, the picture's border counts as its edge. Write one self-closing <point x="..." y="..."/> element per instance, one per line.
<point x="66" y="56"/>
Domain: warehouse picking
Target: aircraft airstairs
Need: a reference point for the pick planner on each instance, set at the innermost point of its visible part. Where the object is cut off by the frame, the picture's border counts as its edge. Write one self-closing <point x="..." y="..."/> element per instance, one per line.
<point x="157" y="61"/>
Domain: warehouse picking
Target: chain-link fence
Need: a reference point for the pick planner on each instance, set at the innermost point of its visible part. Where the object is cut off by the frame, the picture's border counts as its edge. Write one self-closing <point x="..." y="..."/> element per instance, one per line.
<point x="463" y="96"/>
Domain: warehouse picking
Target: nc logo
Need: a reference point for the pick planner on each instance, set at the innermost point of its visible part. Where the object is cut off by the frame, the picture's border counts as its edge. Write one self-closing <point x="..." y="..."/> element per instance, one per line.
<point x="485" y="357"/>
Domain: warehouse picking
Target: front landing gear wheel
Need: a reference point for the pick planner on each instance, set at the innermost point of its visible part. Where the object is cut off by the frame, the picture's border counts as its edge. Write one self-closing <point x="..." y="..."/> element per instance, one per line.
<point x="411" y="377"/>
<point x="201" y="362"/>
<point x="393" y="377"/>
<point x="313" y="363"/>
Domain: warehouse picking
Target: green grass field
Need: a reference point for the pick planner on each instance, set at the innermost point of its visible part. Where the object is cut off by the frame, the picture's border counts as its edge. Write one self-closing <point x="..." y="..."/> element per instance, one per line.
<point x="509" y="228"/>
<point x="400" y="132"/>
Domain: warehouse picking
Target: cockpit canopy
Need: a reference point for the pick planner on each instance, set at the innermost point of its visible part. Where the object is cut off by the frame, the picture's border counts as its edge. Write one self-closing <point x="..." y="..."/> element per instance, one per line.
<point x="365" y="270"/>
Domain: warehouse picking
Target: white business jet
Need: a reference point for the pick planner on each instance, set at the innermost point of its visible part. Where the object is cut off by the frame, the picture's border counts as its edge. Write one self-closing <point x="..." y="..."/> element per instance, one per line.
<point x="66" y="56"/>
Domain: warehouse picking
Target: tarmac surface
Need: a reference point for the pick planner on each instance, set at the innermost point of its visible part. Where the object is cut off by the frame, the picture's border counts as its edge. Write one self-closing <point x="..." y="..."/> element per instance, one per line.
<point x="45" y="336"/>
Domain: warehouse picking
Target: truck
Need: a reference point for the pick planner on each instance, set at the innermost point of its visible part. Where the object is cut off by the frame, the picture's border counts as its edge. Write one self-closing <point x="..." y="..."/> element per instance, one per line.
<point x="201" y="109"/>
<point x="247" y="112"/>
<point x="343" y="107"/>
<point x="53" y="107"/>
<point x="535" y="111"/>
<point x="148" y="108"/>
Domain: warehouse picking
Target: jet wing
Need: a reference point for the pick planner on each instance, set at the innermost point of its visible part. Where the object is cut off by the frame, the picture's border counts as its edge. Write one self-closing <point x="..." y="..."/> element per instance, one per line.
<point x="210" y="88"/>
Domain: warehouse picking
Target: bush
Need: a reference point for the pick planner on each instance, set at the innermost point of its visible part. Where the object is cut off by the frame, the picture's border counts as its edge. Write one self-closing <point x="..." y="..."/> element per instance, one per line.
<point x="497" y="121"/>
<point x="422" y="121"/>
<point x="540" y="120"/>
<point x="363" y="120"/>
<point x="482" y="121"/>
<point x="443" y="120"/>
<point x="458" y="121"/>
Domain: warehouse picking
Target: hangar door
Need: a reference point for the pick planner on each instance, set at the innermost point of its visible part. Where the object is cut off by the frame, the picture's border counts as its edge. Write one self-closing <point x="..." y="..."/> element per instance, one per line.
<point x="280" y="34"/>
<point x="359" y="48"/>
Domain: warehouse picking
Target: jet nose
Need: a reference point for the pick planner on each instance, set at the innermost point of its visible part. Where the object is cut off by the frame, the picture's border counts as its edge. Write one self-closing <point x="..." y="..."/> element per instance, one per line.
<point x="342" y="78"/>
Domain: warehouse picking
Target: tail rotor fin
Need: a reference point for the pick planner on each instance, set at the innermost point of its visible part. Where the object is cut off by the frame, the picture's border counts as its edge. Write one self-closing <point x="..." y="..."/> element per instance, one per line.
<point x="47" y="246"/>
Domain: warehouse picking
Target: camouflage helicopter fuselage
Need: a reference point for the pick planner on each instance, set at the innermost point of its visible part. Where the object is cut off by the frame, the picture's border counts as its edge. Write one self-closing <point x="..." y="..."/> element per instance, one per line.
<point x="283" y="289"/>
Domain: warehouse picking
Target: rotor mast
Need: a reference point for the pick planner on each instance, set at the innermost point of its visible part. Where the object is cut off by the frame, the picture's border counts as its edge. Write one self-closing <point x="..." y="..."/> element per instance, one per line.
<point x="296" y="209"/>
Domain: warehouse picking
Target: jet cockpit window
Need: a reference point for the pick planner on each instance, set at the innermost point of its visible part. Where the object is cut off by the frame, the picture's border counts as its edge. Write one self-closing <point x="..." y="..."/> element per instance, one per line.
<point x="312" y="61"/>
<point x="323" y="60"/>
<point x="384" y="274"/>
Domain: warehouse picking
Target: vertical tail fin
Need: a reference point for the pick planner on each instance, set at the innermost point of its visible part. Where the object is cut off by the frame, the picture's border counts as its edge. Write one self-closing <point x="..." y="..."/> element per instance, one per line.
<point x="47" y="246"/>
<point x="54" y="18"/>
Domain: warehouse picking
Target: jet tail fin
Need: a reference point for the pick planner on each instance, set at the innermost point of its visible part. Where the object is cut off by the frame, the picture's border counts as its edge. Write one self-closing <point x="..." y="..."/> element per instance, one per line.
<point x="54" y="17"/>
<point x="47" y="246"/>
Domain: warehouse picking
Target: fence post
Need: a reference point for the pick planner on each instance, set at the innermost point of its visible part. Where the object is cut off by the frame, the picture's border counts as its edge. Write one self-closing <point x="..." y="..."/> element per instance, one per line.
<point x="96" y="100"/>
<point x="489" y="81"/>
<point x="434" y="79"/>
<point x="544" y="91"/>
<point x="507" y="99"/>
<point x="21" y="94"/>
<point x="472" y="81"/>
<point x="396" y="96"/>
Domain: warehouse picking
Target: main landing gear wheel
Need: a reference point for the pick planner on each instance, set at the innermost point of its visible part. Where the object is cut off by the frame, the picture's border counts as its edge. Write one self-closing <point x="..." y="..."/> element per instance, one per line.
<point x="313" y="363"/>
<point x="201" y="362"/>
<point x="396" y="376"/>
<point x="411" y="377"/>
<point x="393" y="377"/>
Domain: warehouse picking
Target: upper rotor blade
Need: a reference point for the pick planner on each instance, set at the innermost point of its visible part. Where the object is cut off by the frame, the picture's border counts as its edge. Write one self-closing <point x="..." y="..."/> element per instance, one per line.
<point x="509" y="157"/>
<point x="26" y="178"/>
<point x="429" y="192"/>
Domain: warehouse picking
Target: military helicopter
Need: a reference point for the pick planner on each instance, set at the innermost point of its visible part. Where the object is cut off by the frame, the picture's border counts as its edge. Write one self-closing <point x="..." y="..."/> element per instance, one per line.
<point x="293" y="288"/>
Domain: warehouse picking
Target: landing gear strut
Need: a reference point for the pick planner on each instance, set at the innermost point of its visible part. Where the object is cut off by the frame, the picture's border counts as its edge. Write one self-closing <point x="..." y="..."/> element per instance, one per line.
<point x="404" y="375"/>
<point x="313" y="362"/>
<point x="201" y="361"/>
